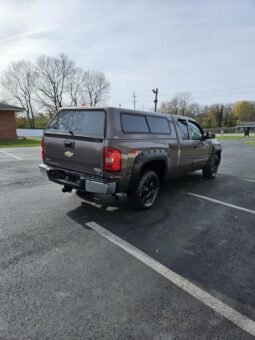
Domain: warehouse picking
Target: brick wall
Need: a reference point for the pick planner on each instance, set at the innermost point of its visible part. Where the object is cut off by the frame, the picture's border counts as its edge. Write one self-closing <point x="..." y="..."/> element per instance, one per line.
<point x="7" y="125"/>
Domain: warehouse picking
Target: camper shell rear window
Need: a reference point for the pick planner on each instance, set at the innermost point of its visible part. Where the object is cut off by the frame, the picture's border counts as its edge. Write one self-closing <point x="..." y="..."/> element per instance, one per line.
<point x="79" y="122"/>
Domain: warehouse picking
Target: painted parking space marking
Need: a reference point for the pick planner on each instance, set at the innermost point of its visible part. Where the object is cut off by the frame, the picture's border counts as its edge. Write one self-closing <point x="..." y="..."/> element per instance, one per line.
<point x="222" y="203"/>
<point x="247" y="179"/>
<point x="11" y="155"/>
<point x="100" y="206"/>
<point x="111" y="208"/>
<point x="94" y="204"/>
<point x="218" y="306"/>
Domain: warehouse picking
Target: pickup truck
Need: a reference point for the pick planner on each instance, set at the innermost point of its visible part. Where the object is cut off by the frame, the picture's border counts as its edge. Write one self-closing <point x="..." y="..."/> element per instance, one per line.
<point x="114" y="150"/>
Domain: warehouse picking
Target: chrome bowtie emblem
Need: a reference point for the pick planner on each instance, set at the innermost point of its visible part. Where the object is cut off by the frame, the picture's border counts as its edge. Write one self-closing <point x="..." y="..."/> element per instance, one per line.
<point x="68" y="154"/>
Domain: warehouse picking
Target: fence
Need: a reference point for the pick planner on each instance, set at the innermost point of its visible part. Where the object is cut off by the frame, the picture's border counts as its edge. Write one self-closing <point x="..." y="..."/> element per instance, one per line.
<point x="29" y="132"/>
<point x="221" y="130"/>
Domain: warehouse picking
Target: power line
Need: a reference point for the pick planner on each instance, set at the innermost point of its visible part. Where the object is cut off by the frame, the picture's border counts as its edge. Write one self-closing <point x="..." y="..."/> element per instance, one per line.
<point x="207" y="91"/>
<point x="205" y="96"/>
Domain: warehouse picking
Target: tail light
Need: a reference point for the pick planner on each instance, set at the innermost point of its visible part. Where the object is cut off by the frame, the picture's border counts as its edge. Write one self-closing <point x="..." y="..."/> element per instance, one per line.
<point x="112" y="159"/>
<point x="42" y="149"/>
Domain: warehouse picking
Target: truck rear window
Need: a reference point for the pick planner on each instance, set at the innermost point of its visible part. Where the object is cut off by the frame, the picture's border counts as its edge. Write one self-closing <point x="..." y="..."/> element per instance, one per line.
<point x="80" y="122"/>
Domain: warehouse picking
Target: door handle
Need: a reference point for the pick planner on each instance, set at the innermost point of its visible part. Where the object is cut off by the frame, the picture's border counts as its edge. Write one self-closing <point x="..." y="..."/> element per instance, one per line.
<point x="195" y="147"/>
<point x="69" y="144"/>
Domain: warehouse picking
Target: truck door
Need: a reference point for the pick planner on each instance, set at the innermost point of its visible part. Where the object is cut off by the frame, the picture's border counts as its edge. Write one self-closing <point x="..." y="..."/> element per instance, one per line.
<point x="200" y="151"/>
<point x="186" y="147"/>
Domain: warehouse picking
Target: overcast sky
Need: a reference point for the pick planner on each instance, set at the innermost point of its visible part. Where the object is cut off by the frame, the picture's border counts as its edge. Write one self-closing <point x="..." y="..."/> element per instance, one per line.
<point x="202" y="46"/>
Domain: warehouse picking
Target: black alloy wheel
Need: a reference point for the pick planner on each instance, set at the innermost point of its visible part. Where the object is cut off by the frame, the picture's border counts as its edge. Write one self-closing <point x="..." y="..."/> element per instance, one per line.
<point x="211" y="169"/>
<point x="146" y="192"/>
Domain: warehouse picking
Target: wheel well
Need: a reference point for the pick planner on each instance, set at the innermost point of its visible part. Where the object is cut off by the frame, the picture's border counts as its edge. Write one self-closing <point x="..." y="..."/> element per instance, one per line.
<point x="159" y="166"/>
<point x="218" y="153"/>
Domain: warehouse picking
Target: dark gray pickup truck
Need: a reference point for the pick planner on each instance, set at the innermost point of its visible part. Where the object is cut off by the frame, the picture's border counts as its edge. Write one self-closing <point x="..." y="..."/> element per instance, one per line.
<point x="113" y="150"/>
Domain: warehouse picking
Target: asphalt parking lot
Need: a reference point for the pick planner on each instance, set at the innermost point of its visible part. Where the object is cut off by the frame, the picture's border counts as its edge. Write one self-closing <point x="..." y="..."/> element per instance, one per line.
<point x="63" y="277"/>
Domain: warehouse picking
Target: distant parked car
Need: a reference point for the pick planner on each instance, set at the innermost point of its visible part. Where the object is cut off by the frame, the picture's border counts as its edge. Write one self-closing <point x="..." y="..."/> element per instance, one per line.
<point x="113" y="150"/>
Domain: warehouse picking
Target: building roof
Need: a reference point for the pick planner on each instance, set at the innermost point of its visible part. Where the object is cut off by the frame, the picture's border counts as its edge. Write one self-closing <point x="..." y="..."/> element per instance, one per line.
<point x="246" y="124"/>
<point x="6" y="107"/>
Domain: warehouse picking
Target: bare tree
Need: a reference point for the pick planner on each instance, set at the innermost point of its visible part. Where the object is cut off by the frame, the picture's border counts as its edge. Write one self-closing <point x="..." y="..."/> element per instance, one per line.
<point x="194" y="109"/>
<point x="74" y="86"/>
<point x="19" y="83"/>
<point x="170" y="106"/>
<point x="96" y="87"/>
<point x="179" y="104"/>
<point x="53" y="83"/>
<point x="53" y="74"/>
<point x="183" y="99"/>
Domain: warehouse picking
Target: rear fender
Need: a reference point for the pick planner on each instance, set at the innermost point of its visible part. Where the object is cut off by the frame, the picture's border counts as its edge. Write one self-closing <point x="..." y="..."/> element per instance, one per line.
<point x="143" y="161"/>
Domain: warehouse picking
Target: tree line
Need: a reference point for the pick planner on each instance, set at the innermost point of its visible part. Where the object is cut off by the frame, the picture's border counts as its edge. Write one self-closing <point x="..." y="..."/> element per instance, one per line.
<point x="50" y="83"/>
<point x="210" y="116"/>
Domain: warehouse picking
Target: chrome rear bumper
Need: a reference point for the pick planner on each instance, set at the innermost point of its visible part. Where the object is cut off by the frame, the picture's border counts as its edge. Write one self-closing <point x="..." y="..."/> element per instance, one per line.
<point x="44" y="169"/>
<point x="81" y="182"/>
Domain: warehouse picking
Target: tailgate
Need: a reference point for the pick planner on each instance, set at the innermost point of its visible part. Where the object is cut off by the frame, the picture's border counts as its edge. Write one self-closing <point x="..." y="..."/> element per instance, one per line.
<point x="74" y="140"/>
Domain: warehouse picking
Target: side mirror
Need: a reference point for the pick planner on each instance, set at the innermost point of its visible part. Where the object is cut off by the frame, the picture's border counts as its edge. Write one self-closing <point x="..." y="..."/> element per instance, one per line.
<point x="209" y="135"/>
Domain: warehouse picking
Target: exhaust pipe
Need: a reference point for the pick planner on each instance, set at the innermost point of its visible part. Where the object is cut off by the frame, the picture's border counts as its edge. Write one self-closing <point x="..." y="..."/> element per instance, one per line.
<point x="67" y="189"/>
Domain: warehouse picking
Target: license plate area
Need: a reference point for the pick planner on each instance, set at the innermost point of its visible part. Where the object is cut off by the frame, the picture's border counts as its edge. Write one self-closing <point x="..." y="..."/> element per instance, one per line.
<point x="61" y="175"/>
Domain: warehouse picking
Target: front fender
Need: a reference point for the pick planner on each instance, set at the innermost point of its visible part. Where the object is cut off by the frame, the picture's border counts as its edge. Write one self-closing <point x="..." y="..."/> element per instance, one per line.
<point x="215" y="146"/>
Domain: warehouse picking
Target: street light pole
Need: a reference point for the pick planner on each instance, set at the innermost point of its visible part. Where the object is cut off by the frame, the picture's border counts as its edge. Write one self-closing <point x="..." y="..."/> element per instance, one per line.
<point x="134" y="99"/>
<point x="156" y="98"/>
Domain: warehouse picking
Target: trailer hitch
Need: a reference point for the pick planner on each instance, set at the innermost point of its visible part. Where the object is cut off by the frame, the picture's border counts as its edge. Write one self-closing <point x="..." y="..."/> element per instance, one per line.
<point x="67" y="189"/>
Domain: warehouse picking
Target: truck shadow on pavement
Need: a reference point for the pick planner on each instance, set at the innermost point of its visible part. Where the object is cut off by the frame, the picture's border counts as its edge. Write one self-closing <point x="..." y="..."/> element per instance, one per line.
<point x="209" y="244"/>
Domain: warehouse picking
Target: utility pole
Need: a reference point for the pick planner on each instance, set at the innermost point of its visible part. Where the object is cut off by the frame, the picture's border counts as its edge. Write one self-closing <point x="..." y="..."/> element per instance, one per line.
<point x="134" y="99"/>
<point x="156" y="98"/>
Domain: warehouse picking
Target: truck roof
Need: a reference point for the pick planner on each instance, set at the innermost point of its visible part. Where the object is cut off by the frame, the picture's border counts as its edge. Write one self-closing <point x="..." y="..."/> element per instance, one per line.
<point x="122" y="109"/>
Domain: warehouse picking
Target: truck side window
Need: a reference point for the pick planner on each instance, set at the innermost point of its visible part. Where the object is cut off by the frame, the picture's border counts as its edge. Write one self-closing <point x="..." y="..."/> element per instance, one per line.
<point x="183" y="128"/>
<point x="196" y="132"/>
<point x="134" y="124"/>
<point x="172" y="129"/>
<point x="158" y="125"/>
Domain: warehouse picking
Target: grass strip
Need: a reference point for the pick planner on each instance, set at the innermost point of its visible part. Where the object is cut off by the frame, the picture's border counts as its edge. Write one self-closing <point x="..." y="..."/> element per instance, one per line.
<point x="20" y="142"/>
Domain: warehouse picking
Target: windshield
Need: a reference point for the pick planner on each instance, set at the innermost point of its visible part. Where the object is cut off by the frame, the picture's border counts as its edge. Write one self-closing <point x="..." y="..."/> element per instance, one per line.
<point x="80" y="122"/>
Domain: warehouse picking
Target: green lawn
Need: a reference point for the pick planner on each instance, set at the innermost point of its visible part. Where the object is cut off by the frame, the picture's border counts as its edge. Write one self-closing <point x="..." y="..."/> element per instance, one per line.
<point x="249" y="142"/>
<point x="238" y="137"/>
<point x="24" y="142"/>
<point x="246" y="140"/>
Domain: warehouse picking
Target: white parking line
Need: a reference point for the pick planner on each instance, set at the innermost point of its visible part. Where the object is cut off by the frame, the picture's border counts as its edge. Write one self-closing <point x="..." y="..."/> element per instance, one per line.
<point x="11" y="155"/>
<point x="111" y="208"/>
<point x="247" y="179"/>
<point x="222" y="203"/>
<point x="100" y="206"/>
<point x="94" y="204"/>
<point x="218" y="306"/>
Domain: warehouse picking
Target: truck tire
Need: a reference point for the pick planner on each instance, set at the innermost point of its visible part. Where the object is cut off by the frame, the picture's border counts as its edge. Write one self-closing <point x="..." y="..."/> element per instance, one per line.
<point x="146" y="192"/>
<point x="211" y="169"/>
